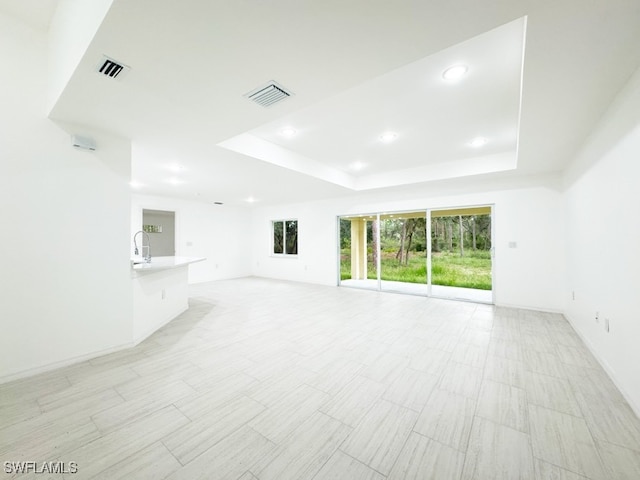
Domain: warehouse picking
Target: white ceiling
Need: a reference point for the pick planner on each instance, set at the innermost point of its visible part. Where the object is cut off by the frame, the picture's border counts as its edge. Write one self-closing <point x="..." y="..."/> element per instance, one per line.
<point x="434" y="119"/>
<point x="356" y="68"/>
<point x="36" y="13"/>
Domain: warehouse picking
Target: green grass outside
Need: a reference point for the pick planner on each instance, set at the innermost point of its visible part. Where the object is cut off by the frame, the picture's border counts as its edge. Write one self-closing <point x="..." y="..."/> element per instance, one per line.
<point x="471" y="271"/>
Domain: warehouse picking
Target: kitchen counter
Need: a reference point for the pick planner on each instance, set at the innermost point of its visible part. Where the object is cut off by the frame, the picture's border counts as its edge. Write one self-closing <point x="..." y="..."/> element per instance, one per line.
<point x="164" y="263"/>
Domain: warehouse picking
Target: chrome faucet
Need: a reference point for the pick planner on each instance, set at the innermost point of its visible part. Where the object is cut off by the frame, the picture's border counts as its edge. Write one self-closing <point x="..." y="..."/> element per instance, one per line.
<point x="147" y="257"/>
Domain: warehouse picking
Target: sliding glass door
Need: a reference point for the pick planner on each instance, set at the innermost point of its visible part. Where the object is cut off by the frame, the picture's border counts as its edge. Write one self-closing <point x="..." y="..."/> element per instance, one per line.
<point x="444" y="253"/>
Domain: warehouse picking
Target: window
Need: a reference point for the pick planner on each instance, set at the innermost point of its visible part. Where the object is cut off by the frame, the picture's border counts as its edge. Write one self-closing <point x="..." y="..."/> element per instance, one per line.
<point x="285" y="237"/>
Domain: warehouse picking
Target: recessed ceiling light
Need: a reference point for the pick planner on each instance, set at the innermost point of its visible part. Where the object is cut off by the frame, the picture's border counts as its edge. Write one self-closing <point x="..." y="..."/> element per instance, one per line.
<point x="357" y="165"/>
<point x="175" y="181"/>
<point x="288" y="132"/>
<point x="251" y="200"/>
<point x="454" y="72"/>
<point x="478" y="142"/>
<point x="388" y="137"/>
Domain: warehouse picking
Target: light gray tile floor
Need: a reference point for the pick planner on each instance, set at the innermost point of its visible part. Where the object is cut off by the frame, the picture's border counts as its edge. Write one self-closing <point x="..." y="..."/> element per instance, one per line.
<point x="264" y="379"/>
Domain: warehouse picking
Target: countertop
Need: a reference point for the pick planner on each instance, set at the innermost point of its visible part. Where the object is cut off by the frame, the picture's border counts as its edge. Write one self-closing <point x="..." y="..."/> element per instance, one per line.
<point x="165" y="263"/>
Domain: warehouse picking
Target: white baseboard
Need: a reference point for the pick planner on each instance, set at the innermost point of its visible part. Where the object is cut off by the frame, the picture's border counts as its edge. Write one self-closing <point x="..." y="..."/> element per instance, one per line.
<point x="61" y="363"/>
<point x="607" y="368"/>
<point x="525" y="307"/>
<point x="232" y="277"/>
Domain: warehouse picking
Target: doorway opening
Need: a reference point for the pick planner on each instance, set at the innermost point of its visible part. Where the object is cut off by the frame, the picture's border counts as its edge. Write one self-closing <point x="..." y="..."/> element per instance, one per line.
<point x="161" y="227"/>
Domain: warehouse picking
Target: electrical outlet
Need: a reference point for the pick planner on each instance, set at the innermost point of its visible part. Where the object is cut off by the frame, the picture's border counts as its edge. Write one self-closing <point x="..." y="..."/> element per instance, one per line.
<point x="606" y="325"/>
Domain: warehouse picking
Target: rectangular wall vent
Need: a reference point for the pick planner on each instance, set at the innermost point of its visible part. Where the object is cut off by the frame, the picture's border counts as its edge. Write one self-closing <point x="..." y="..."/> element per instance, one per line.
<point x="269" y="94"/>
<point x="111" y="68"/>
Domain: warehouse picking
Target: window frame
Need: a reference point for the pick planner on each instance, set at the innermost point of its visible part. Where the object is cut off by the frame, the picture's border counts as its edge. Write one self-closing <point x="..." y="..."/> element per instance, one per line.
<point x="284" y="238"/>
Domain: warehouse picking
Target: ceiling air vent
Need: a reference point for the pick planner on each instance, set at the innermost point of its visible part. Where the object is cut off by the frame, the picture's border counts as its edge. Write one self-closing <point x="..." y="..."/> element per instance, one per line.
<point x="268" y="94"/>
<point x="111" y="68"/>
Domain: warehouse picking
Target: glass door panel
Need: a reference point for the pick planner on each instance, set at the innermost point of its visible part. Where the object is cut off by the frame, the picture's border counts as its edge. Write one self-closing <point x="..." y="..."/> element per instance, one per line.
<point x="461" y="247"/>
<point x="358" y="245"/>
<point x="403" y="253"/>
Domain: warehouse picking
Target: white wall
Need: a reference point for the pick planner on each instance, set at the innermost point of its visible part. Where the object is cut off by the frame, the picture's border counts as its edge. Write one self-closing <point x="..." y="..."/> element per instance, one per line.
<point x="219" y="233"/>
<point x="603" y="241"/>
<point x="65" y="291"/>
<point x="528" y="214"/>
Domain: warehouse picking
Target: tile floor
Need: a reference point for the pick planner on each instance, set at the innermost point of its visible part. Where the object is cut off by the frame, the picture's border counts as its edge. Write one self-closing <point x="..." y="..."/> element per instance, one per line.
<point x="274" y="380"/>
